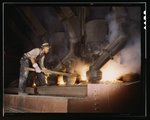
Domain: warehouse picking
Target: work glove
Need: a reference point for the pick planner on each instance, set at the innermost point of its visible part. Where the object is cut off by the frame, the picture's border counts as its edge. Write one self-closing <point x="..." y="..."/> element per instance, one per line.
<point x="37" y="68"/>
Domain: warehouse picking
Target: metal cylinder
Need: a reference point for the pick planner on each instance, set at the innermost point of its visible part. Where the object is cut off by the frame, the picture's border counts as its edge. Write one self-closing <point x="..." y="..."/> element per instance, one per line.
<point x="96" y="30"/>
<point x="94" y="76"/>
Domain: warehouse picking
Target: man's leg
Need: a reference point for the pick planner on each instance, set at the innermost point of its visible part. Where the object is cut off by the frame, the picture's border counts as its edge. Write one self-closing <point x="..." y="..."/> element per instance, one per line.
<point x="23" y="75"/>
<point x="41" y="79"/>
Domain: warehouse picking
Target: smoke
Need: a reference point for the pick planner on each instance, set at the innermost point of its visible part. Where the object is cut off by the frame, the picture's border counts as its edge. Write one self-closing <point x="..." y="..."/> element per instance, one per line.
<point x="113" y="27"/>
<point x="129" y="57"/>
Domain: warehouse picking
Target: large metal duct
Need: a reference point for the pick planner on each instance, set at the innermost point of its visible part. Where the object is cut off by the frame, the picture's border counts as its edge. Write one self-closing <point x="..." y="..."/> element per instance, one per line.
<point x="94" y="74"/>
<point x="96" y="31"/>
<point x="72" y="26"/>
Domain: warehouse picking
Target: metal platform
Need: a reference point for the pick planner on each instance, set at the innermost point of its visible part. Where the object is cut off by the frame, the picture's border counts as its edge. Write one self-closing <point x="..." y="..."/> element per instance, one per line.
<point x="65" y="91"/>
<point x="100" y="98"/>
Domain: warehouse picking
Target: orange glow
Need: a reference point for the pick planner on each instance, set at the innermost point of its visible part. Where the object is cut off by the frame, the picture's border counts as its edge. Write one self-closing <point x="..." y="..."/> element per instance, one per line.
<point x="46" y="77"/>
<point x="112" y="70"/>
<point x="81" y="68"/>
<point x="82" y="71"/>
<point x="34" y="85"/>
<point x="60" y="80"/>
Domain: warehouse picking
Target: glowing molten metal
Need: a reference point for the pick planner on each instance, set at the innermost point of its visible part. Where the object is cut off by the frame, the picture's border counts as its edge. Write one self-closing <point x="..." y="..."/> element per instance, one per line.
<point x="112" y="70"/>
<point x="81" y="68"/>
<point x="60" y="80"/>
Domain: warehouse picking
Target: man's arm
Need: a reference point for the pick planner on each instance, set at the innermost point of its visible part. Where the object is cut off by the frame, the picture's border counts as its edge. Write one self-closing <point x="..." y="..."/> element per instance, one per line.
<point x="44" y="69"/>
<point x="35" y="65"/>
<point x="32" y="60"/>
<point x="32" y="56"/>
<point x="42" y="62"/>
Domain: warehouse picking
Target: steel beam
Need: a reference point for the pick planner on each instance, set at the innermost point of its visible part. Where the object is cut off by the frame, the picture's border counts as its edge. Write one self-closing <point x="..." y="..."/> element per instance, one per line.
<point x="32" y="21"/>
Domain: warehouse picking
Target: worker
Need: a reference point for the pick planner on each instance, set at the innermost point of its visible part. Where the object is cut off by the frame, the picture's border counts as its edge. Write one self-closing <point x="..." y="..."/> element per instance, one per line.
<point x="36" y="58"/>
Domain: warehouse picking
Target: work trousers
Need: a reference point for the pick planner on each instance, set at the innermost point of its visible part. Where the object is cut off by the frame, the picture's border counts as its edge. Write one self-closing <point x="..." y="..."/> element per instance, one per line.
<point x="24" y="62"/>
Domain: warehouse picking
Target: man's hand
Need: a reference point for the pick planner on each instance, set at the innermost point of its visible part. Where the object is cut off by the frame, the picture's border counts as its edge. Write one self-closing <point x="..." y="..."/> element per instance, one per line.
<point x="37" y="69"/>
<point x="45" y="71"/>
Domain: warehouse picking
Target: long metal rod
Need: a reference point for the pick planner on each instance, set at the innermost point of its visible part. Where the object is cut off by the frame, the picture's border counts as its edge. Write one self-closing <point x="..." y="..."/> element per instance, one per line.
<point x="53" y="72"/>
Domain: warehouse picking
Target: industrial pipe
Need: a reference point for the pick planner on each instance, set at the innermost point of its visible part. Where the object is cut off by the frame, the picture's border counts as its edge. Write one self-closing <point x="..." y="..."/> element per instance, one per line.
<point x="71" y="23"/>
<point x="94" y="74"/>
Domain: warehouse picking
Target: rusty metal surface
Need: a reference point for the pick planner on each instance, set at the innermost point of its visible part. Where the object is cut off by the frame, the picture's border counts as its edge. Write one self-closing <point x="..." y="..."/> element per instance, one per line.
<point x="109" y="98"/>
